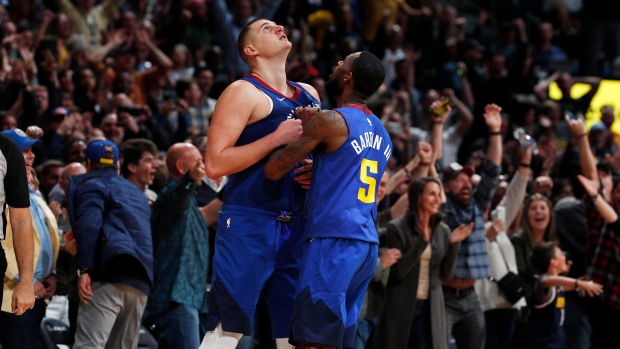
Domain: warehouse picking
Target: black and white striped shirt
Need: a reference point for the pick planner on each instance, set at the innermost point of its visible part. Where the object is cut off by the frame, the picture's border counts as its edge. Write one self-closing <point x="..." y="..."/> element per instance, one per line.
<point x="14" y="182"/>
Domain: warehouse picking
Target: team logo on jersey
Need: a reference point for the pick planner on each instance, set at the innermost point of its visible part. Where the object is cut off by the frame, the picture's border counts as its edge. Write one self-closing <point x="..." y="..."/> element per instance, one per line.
<point x="228" y="223"/>
<point x="369" y="123"/>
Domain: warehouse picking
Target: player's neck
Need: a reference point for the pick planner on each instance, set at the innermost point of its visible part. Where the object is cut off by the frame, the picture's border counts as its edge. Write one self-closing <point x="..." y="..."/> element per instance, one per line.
<point x="350" y="98"/>
<point x="273" y="74"/>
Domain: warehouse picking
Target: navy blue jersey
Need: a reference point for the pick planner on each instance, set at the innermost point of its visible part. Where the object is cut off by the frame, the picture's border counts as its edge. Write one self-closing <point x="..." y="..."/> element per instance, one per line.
<point x="250" y="187"/>
<point x="341" y="202"/>
<point x="546" y="318"/>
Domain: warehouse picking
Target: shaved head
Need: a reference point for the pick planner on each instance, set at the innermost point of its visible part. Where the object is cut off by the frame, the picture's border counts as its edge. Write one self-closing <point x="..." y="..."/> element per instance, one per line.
<point x="181" y="157"/>
<point x="73" y="169"/>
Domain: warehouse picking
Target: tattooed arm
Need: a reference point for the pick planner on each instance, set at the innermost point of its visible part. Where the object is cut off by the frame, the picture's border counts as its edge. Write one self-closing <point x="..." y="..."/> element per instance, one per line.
<point x="328" y="127"/>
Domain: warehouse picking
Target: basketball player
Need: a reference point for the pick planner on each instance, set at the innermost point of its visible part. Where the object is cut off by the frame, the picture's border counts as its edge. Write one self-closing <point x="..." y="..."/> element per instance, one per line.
<point x="260" y="229"/>
<point x="351" y="149"/>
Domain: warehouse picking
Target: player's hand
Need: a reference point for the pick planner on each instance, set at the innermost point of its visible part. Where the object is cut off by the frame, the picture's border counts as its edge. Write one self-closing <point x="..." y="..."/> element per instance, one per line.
<point x="589" y="288"/>
<point x="493" y="117"/>
<point x="389" y="257"/>
<point x="197" y="171"/>
<point x="461" y="233"/>
<point x="84" y="290"/>
<point x="23" y="298"/>
<point x="303" y="174"/>
<point x="288" y="131"/>
<point x="305" y="114"/>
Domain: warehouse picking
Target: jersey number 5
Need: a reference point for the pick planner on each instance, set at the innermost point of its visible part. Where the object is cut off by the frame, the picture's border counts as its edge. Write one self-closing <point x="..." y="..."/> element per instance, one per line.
<point x="367" y="196"/>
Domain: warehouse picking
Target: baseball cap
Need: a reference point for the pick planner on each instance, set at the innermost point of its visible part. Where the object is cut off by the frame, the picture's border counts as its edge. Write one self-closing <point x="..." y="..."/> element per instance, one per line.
<point x="599" y="126"/>
<point x="23" y="142"/>
<point x="96" y="150"/>
<point x="454" y="169"/>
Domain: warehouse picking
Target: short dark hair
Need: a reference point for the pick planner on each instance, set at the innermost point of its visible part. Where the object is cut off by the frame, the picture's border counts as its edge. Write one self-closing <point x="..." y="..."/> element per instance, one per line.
<point x="542" y="255"/>
<point x="368" y="73"/>
<point x="132" y="150"/>
<point x="181" y="86"/>
<point x="48" y="165"/>
<point x="244" y="37"/>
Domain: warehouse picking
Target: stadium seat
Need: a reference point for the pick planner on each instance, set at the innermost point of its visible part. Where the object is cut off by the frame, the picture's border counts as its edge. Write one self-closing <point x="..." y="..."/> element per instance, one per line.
<point x="54" y="334"/>
<point x="146" y="340"/>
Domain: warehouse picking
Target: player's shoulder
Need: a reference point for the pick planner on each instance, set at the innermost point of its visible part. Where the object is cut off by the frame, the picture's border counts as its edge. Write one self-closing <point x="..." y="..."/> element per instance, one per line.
<point x="310" y="89"/>
<point x="239" y="90"/>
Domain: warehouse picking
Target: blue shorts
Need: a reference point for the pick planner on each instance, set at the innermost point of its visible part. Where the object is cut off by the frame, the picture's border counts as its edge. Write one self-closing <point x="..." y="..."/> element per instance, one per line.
<point x="332" y="284"/>
<point x="255" y="255"/>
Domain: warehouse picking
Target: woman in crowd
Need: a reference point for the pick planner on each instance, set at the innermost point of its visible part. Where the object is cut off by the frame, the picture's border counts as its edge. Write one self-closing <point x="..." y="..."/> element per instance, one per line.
<point x="429" y="256"/>
<point x="499" y="313"/>
<point x="537" y="225"/>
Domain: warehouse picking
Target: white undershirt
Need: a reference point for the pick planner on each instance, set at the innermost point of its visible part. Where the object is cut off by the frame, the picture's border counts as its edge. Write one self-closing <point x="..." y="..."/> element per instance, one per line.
<point x="425" y="273"/>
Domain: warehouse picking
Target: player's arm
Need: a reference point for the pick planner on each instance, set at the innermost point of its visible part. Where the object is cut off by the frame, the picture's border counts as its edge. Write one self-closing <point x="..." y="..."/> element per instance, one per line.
<point x="232" y="113"/>
<point x="326" y="125"/>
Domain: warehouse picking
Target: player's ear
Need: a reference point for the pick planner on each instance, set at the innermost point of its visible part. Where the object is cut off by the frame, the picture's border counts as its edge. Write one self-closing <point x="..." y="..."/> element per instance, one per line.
<point x="249" y="50"/>
<point x="348" y="76"/>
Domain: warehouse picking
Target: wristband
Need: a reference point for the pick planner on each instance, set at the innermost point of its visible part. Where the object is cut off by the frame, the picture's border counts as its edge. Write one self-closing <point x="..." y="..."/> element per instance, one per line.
<point x="582" y="135"/>
<point x="524" y="165"/>
<point x="594" y="199"/>
<point x="497" y="133"/>
<point x="577" y="285"/>
<point x="422" y="163"/>
<point x="407" y="172"/>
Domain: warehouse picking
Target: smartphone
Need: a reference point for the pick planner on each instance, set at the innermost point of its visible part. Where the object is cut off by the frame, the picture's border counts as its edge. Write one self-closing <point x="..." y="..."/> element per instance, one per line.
<point x="499" y="213"/>
<point x="133" y="111"/>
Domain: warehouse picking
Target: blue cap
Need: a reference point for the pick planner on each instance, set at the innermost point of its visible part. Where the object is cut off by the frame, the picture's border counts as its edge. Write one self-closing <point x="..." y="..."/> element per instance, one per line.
<point x="96" y="150"/>
<point x="23" y="142"/>
<point x="599" y="126"/>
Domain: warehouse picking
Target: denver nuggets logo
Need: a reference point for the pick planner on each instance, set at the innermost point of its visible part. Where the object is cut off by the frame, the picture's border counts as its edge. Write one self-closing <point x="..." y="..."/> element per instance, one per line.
<point x="228" y="223"/>
<point x="108" y="148"/>
<point x="20" y="133"/>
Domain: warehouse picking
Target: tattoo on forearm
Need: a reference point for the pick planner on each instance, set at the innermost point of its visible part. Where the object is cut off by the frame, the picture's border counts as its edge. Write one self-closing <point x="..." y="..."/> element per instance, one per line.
<point x="286" y="158"/>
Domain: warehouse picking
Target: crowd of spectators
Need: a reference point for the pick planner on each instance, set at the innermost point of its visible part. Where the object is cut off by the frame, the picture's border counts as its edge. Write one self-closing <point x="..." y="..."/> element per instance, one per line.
<point x="132" y="71"/>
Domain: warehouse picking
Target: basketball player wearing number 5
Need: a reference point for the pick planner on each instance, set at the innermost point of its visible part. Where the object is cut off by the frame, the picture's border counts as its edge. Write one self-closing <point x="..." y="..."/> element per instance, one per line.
<point x="351" y="149"/>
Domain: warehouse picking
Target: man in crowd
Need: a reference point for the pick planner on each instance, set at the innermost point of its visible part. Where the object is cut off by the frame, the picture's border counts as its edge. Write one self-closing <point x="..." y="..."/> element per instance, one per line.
<point x="181" y="253"/>
<point x="465" y="205"/>
<point x="110" y="218"/>
<point x="139" y="165"/>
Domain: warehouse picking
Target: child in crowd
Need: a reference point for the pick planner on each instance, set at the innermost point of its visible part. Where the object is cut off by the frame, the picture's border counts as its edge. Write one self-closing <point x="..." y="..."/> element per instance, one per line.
<point x="547" y="314"/>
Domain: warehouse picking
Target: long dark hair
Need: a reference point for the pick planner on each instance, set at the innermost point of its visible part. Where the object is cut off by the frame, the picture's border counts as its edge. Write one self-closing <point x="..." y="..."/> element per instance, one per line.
<point x="416" y="189"/>
<point x="550" y="231"/>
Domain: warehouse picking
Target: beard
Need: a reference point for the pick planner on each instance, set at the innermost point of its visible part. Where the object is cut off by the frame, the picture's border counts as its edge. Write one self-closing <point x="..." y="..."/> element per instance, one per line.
<point x="333" y="91"/>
